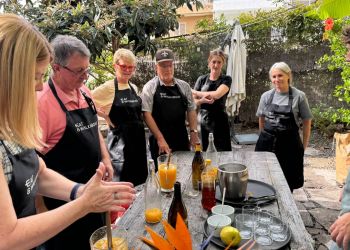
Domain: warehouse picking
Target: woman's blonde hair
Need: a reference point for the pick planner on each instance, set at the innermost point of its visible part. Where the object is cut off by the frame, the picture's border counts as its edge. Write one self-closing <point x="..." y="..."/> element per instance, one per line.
<point x="125" y="55"/>
<point x="217" y="52"/>
<point x="22" y="46"/>
<point x="284" y="68"/>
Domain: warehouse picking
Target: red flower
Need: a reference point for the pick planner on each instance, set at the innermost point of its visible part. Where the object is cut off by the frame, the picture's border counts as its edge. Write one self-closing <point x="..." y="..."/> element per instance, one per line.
<point x="328" y="24"/>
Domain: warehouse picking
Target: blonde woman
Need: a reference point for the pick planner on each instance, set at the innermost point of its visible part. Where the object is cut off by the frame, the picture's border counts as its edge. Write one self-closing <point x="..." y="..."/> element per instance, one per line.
<point x="280" y="112"/>
<point x="24" y="57"/>
<point x="118" y="102"/>
<point x="210" y="93"/>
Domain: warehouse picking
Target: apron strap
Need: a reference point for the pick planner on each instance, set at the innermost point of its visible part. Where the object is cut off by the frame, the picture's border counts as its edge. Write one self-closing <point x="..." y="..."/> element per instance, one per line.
<point x="53" y="89"/>
<point x="90" y="102"/>
<point x="88" y="99"/>
<point x="269" y="101"/>
<point x="290" y="100"/>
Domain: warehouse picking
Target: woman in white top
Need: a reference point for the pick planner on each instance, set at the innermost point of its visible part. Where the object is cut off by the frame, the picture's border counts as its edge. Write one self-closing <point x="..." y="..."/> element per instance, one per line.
<point x="118" y="102"/>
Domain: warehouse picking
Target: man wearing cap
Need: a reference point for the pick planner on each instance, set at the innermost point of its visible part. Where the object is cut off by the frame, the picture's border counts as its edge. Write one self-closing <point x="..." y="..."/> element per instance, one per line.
<point x="165" y="102"/>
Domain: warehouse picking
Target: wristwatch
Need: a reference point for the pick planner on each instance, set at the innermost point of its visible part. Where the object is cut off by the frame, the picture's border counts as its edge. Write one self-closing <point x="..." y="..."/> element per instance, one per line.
<point x="193" y="131"/>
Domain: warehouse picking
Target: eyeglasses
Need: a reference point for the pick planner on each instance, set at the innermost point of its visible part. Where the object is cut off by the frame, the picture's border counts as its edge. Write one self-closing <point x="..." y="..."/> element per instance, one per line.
<point x="126" y="67"/>
<point x="79" y="72"/>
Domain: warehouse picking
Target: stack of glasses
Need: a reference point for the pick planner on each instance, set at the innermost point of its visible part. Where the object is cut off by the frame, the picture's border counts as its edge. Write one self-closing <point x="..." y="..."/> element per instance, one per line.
<point x="264" y="227"/>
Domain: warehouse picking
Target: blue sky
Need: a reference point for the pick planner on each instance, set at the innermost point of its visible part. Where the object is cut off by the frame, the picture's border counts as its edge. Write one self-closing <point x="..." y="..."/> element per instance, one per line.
<point x="242" y="4"/>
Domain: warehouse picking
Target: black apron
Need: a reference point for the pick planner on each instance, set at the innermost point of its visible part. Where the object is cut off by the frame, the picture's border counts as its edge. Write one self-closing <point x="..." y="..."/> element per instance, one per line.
<point x="126" y="115"/>
<point x="76" y="156"/>
<point x="23" y="185"/>
<point x="169" y="113"/>
<point x="281" y="136"/>
<point x="215" y="120"/>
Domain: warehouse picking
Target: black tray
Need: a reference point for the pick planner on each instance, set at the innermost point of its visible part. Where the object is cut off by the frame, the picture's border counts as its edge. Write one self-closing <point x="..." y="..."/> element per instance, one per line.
<point x="258" y="192"/>
<point x="275" y="245"/>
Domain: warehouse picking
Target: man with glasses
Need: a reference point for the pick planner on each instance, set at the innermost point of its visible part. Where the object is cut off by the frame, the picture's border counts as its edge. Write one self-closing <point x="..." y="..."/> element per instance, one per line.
<point x="165" y="102"/>
<point x="74" y="146"/>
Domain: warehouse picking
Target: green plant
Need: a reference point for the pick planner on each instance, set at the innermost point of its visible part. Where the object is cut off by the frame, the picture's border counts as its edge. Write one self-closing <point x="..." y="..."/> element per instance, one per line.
<point x="336" y="60"/>
<point x="102" y="24"/>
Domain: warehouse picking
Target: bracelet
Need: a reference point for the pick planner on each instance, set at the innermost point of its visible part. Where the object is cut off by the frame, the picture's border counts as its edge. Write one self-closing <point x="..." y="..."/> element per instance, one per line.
<point x="73" y="193"/>
<point x="193" y="131"/>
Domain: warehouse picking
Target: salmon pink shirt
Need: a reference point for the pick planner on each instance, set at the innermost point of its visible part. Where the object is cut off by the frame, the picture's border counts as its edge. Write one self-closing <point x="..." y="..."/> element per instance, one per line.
<point x="51" y="116"/>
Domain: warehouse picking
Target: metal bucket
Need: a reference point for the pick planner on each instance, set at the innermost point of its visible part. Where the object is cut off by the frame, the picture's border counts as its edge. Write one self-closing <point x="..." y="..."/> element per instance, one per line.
<point x="234" y="177"/>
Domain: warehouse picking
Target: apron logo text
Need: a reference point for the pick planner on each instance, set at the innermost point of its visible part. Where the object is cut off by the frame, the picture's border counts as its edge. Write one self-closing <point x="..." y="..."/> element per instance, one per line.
<point x="126" y="100"/>
<point x="81" y="127"/>
<point x="30" y="183"/>
<point x="164" y="95"/>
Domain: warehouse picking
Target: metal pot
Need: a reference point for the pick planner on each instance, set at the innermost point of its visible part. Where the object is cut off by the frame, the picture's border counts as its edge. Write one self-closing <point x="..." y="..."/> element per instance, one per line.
<point x="234" y="177"/>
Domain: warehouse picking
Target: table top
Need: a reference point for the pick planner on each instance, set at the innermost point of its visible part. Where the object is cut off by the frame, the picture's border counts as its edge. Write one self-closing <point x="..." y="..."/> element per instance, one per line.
<point x="262" y="166"/>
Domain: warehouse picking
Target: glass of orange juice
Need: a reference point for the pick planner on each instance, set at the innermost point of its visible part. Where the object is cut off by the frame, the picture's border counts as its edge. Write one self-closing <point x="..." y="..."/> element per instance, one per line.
<point x="167" y="168"/>
<point x="98" y="239"/>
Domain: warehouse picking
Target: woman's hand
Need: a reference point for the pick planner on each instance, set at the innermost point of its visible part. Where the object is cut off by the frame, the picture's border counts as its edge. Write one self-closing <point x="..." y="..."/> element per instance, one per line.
<point x="100" y="196"/>
<point x="104" y="115"/>
<point x="208" y="99"/>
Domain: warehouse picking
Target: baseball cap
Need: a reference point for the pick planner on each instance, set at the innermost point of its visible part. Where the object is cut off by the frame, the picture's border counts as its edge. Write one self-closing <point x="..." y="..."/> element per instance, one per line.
<point x="164" y="55"/>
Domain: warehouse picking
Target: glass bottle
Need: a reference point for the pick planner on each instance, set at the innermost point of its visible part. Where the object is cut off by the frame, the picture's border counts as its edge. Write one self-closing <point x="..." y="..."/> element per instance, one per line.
<point x="197" y="167"/>
<point x="210" y="169"/>
<point x="177" y="206"/>
<point x="153" y="207"/>
<point x="211" y="152"/>
<point x="208" y="178"/>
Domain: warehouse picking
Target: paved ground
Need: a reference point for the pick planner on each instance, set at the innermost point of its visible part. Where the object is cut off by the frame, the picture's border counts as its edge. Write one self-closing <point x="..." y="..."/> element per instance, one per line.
<point x="318" y="200"/>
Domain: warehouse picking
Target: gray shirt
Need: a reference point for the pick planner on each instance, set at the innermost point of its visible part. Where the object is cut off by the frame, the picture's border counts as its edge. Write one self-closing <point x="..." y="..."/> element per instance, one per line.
<point x="300" y="105"/>
<point x="150" y="87"/>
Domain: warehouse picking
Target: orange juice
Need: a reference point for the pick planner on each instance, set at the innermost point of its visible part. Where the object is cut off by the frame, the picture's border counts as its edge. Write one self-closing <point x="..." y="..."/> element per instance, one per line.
<point x="167" y="176"/>
<point x="117" y="243"/>
<point x="153" y="215"/>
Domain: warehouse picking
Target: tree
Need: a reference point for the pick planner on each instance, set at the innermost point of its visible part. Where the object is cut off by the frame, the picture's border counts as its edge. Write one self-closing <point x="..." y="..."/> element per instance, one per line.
<point x="104" y="24"/>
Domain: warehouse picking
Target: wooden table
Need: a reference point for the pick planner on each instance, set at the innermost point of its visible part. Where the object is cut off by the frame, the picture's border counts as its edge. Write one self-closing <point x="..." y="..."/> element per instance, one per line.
<point x="262" y="166"/>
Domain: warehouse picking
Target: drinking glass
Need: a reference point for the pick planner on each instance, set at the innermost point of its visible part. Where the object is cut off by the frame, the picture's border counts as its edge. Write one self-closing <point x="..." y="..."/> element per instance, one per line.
<point x="281" y="234"/>
<point x="167" y="168"/>
<point x="276" y="224"/>
<point x="98" y="239"/>
<point x="190" y="191"/>
<point x="248" y="212"/>
<point x="245" y="231"/>
<point x="265" y="217"/>
<point x="238" y="154"/>
<point x="262" y="232"/>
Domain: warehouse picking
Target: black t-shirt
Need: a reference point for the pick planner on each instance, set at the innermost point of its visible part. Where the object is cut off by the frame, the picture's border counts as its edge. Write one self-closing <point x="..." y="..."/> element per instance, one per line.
<point x="205" y="84"/>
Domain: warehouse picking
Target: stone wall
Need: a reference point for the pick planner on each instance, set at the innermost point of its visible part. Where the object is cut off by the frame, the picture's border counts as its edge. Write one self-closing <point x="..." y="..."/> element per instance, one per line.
<point x="317" y="82"/>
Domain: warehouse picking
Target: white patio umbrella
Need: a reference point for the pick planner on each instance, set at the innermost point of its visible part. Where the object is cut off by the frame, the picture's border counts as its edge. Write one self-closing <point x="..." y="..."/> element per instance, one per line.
<point x="236" y="68"/>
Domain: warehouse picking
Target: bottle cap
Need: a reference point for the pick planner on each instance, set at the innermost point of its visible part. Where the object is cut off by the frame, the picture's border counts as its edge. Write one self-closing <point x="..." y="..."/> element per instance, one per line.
<point x="197" y="147"/>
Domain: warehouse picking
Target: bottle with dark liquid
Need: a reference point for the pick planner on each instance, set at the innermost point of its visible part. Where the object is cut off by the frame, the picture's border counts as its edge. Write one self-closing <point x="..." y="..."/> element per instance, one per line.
<point x="177" y="206"/>
<point x="197" y="167"/>
<point x="208" y="179"/>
